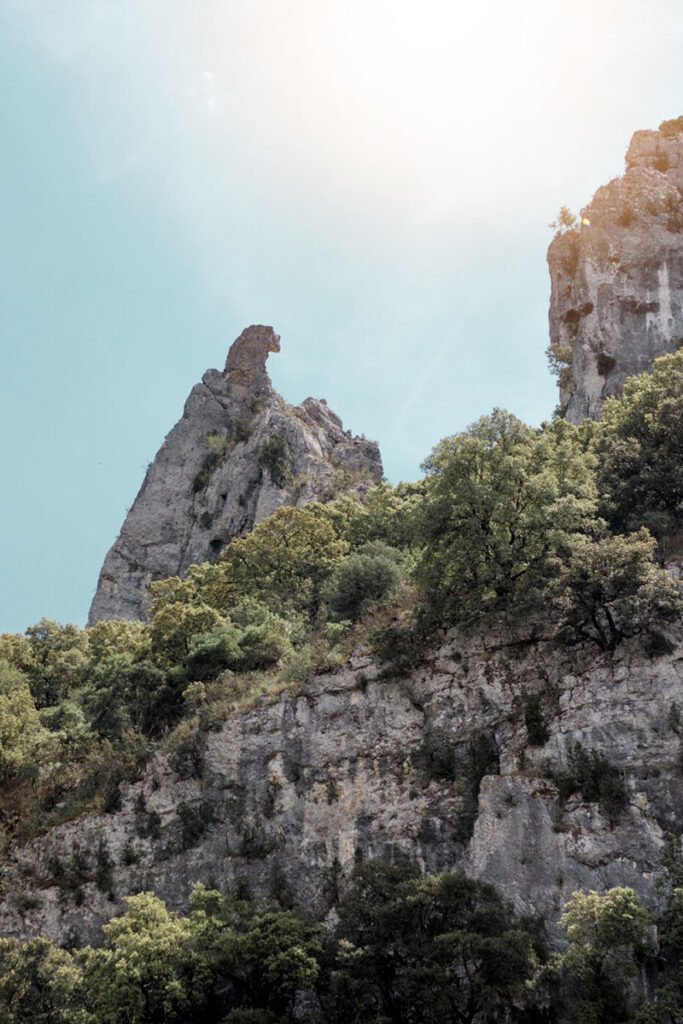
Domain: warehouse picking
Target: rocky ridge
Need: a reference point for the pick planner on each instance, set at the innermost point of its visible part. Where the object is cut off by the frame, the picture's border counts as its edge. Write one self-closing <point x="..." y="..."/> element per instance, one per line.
<point x="445" y="766"/>
<point x="238" y="453"/>
<point x="617" y="277"/>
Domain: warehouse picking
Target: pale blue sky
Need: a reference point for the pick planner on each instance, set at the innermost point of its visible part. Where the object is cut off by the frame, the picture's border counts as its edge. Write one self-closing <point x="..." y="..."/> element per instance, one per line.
<point x="374" y="178"/>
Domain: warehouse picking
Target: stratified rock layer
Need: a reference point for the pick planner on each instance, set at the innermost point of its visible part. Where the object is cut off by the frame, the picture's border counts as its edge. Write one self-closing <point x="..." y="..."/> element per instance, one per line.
<point x="213" y="479"/>
<point x="295" y="787"/>
<point x="617" y="282"/>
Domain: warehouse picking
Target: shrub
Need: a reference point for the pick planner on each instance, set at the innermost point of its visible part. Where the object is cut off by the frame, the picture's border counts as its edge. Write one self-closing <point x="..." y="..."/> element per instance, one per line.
<point x="185" y="749"/>
<point x="194" y="821"/>
<point x="638" y="443"/>
<point x="274" y="456"/>
<point x="609" y="588"/>
<point x="366" y="577"/>
<point x="399" y="649"/>
<point x="534" y="720"/>
<point x="591" y="773"/>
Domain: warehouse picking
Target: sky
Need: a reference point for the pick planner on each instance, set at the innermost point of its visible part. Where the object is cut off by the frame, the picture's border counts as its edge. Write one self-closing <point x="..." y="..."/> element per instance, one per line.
<point x="374" y="178"/>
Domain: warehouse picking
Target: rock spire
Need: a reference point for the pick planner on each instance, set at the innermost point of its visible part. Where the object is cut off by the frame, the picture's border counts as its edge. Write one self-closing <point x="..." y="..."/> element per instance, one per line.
<point x="238" y="453"/>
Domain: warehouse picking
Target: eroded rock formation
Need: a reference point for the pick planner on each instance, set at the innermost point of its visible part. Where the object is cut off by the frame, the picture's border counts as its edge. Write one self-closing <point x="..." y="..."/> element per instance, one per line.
<point x="238" y="453"/>
<point x="617" y="278"/>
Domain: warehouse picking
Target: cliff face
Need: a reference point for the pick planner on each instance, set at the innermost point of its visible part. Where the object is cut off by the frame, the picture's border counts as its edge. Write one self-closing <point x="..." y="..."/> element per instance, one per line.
<point x="238" y="453"/>
<point x="298" y="785"/>
<point x="617" y="282"/>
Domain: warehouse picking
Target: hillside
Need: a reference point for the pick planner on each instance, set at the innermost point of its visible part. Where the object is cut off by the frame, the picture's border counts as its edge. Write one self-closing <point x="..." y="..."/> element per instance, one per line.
<point x="331" y="750"/>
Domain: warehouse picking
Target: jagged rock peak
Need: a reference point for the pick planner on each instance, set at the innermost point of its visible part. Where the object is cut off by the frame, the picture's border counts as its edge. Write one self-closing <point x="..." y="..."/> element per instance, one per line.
<point x="246" y="362"/>
<point x="617" y="277"/>
<point x="238" y="453"/>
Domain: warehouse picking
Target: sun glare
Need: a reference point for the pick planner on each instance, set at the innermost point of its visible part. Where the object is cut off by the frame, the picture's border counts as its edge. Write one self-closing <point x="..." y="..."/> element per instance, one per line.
<point x="391" y="98"/>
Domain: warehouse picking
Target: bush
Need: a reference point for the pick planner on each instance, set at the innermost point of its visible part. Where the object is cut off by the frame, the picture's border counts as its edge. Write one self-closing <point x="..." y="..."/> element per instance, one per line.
<point x="638" y="443"/>
<point x="609" y="588"/>
<point x="364" y="578"/>
<point x="591" y="773"/>
<point x="275" y="457"/>
<point x="501" y="499"/>
<point x="534" y="720"/>
<point x="399" y="649"/>
<point x="194" y="821"/>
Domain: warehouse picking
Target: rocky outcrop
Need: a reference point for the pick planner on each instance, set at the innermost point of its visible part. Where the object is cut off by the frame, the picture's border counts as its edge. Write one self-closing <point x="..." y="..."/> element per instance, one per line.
<point x="454" y="766"/>
<point x="239" y="453"/>
<point x="617" y="277"/>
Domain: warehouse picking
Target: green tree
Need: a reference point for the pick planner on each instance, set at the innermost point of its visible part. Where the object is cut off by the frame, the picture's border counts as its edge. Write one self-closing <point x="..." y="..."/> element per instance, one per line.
<point x="501" y="500"/>
<point x="124" y="694"/>
<point x="176" y="625"/>
<point x="366" y="577"/>
<point x="39" y="984"/>
<point x="609" y="588"/>
<point x="638" y="443"/>
<point x="608" y="935"/>
<point x="426" y="948"/>
<point x="141" y="975"/>
<point x="283" y="562"/>
<point x="56" y="660"/>
<point x="23" y="739"/>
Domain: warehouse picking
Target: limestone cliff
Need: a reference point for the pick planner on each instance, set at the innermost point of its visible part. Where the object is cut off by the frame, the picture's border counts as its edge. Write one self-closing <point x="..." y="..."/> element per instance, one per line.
<point x="617" y="277"/>
<point x="447" y="765"/>
<point x="238" y="453"/>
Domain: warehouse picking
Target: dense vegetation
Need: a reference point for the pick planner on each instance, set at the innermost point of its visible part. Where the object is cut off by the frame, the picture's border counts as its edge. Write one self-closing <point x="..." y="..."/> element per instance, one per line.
<point x="559" y="531"/>
<point x="406" y="948"/>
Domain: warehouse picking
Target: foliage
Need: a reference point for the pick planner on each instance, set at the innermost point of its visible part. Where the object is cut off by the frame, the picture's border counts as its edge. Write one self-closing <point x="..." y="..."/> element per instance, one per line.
<point x="565" y="221"/>
<point x="408" y="947"/>
<point x="366" y="577"/>
<point x="638" y="444"/>
<point x="399" y="649"/>
<point x="282" y="563"/>
<point x="501" y="500"/>
<point x="52" y="656"/>
<point x="274" y="455"/>
<point x="609" y="588"/>
<point x="22" y="736"/>
<point x="560" y="359"/>
<point x="39" y="983"/>
<point x="433" y="948"/>
<point x="607" y="936"/>
<point x="591" y="773"/>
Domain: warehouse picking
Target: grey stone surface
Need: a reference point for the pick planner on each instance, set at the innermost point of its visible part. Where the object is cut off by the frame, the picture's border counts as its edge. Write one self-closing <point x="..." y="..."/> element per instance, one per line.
<point x="617" y="284"/>
<point x="181" y="517"/>
<point x="303" y="780"/>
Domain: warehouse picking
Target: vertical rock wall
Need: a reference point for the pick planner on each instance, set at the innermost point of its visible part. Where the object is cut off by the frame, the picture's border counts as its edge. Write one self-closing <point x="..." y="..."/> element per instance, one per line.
<point x="617" y="279"/>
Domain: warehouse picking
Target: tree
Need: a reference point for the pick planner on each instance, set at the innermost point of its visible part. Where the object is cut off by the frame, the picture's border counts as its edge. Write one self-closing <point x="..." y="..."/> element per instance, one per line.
<point x="141" y="974"/>
<point x="123" y="694"/>
<point x="22" y="736"/>
<point x="54" y="658"/>
<point x="366" y="577"/>
<point x="502" y="499"/>
<point x="39" y="983"/>
<point x="282" y="563"/>
<point x="176" y="625"/>
<point x="638" y="443"/>
<point x="565" y="221"/>
<point x="609" y="588"/>
<point x="607" y="937"/>
<point x="426" y="948"/>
